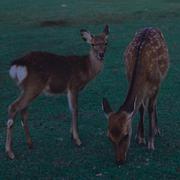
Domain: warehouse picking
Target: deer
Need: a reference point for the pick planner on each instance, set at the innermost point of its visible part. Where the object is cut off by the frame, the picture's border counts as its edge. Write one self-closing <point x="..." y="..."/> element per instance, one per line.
<point x="42" y="72"/>
<point x="147" y="62"/>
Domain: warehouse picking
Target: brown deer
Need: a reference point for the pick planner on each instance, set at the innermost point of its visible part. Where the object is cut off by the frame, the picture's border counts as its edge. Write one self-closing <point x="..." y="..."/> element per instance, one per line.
<point x="147" y="61"/>
<point x="43" y="72"/>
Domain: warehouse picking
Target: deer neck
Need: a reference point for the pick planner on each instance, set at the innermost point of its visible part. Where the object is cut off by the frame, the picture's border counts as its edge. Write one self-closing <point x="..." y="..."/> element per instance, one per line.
<point x="135" y="95"/>
<point x="95" y="64"/>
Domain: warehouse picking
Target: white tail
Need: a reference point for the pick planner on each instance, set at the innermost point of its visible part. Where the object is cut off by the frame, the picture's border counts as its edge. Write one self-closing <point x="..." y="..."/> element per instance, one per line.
<point x="18" y="73"/>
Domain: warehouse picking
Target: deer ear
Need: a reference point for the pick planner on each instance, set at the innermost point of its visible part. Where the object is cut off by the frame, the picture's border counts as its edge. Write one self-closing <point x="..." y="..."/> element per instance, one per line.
<point x="106" y="107"/>
<point x="86" y="35"/>
<point x="106" y="30"/>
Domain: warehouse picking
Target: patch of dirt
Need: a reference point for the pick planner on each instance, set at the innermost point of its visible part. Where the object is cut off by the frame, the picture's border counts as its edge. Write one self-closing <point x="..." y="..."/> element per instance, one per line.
<point x="115" y="18"/>
<point x="51" y="23"/>
<point x="172" y="1"/>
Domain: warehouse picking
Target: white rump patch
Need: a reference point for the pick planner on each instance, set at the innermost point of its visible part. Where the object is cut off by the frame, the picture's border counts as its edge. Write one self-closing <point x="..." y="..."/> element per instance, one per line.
<point x="19" y="73"/>
<point x="12" y="72"/>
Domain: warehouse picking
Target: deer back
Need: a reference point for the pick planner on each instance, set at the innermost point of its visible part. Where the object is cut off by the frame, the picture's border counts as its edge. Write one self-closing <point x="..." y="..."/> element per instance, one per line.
<point x="154" y="58"/>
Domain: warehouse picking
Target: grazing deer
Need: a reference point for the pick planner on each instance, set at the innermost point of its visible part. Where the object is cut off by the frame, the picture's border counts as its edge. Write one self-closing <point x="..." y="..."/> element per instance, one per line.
<point x="39" y="72"/>
<point x="147" y="61"/>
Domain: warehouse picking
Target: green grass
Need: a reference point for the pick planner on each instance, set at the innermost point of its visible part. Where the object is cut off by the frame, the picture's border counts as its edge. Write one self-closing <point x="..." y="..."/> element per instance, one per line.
<point x="54" y="156"/>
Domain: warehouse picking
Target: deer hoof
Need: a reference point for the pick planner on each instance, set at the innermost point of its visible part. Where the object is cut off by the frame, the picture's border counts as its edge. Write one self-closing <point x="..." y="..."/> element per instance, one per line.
<point x="141" y="140"/>
<point x="30" y="145"/>
<point x="157" y="132"/>
<point x="151" y="146"/>
<point x="10" y="155"/>
<point x="78" y="142"/>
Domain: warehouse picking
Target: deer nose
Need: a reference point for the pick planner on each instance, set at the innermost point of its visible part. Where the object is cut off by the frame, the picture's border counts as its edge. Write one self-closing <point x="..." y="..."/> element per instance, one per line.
<point x="101" y="55"/>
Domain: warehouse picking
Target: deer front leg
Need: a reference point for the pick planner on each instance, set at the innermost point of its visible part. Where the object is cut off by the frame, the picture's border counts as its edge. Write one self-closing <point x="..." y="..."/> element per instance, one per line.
<point x="24" y="114"/>
<point x="73" y="100"/>
<point x="140" y="129"/>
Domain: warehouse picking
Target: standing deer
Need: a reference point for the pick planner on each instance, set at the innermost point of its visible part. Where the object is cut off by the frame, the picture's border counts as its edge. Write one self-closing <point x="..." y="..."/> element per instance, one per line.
<point x="147" y="61"/>
<point x="39" y="72"/>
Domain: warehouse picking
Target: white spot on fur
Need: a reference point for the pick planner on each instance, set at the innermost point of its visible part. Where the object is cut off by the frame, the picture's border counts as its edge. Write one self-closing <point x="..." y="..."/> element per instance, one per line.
<point x="19" y="73"/>
<point x="10" y="123"/>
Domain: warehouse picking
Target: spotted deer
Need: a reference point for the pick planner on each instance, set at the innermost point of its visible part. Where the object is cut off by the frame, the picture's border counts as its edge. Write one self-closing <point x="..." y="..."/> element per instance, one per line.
<point x="43" y="72"/>
<point x="146" y="61"/>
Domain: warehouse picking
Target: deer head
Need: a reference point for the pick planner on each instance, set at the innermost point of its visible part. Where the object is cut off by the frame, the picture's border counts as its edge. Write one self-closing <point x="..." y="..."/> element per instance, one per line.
<point x="98" y="43"/>
<point x="119" y="130"/>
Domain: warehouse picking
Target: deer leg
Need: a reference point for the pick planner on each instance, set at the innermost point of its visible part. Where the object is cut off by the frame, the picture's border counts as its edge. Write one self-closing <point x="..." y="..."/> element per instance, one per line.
<point x="157" y="130"/>
<point x="152" y="122"/>
<point x="24" y="122"/>
<point x="20" y="104"/>
<point x="72" y="100"/>
<point x="14" y="108"/>
<point x="140" y="129"/>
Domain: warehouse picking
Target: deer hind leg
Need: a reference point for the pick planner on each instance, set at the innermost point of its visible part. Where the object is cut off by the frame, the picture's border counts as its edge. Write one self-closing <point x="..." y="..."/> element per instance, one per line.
<point x="18" y="106"/>
<point x="14" y="108"/>
<point x="140" y="129"/>
<point x="157" y="130"/>
<point x="24" y="122"/>
<point x="152" y="122"/>
<point x="73" y="105"/>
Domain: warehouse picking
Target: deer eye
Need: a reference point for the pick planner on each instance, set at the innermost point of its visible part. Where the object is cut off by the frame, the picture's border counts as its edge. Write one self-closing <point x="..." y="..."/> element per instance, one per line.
<point x="106" y="44"/>
<point x="93" y="45"/>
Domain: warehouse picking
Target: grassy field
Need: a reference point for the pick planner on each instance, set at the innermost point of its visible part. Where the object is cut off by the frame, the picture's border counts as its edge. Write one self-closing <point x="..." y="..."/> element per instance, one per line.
<point x="54" y="26"/>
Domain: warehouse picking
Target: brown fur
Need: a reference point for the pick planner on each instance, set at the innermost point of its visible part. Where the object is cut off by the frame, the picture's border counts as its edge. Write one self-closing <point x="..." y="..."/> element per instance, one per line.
<point x="54" y="74"/>
<point x="147" y="62"/>
<point x="152" y="67"/>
